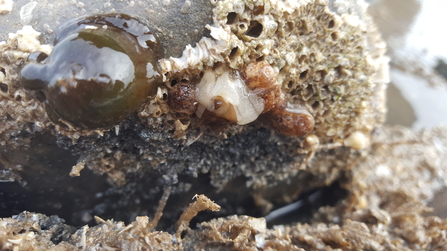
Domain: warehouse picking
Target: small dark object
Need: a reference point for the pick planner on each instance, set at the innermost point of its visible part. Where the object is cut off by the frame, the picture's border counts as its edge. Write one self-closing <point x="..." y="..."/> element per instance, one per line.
<point x="441" y="68"/>
<point x="181" y="98"/>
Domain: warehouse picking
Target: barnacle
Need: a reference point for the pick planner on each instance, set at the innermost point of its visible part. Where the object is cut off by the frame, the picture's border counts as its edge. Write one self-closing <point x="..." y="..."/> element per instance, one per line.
<point x="101" y="70"/>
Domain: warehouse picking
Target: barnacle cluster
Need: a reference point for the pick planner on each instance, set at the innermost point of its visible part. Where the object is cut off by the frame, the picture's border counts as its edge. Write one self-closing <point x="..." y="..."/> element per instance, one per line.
<point x="320" y="58"/>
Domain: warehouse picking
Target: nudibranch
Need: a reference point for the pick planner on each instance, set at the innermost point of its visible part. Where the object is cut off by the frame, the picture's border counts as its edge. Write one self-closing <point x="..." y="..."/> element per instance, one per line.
<point x="102" y="69"/>
<point x="242" y="97"/>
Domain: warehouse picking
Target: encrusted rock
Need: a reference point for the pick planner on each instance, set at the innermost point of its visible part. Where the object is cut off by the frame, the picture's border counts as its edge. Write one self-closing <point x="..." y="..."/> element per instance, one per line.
<point x="326" y="56"/>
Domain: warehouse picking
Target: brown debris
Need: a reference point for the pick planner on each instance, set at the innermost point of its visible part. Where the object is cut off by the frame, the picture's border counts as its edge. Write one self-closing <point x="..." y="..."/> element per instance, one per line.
<point x="160" y="208"/>
<point x="241" y="233"/>
<point x="31" y="231"/>
<point x="112" y="235"/>
<point x="202" y="203"/>
<point x="76" y="169"/>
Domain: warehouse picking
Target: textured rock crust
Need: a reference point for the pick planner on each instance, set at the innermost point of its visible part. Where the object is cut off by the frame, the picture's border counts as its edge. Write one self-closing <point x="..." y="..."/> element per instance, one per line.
<point x="332" y="62"/>
<point x="385" y="210"/>
<point x="328" y="56"/>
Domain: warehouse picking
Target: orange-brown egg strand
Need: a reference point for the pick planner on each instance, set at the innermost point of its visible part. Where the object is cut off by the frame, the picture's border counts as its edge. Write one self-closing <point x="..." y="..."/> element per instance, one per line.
<point x="260" y="78"/>
<point x="290" y="121"/>
<point x="259" y="75"/>
<point x="285" y="118"/>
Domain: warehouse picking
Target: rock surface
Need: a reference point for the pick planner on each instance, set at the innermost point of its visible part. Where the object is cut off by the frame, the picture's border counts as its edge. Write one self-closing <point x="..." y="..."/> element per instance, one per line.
<point x="328" y="57"/>
<point x="385" y="210"/>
